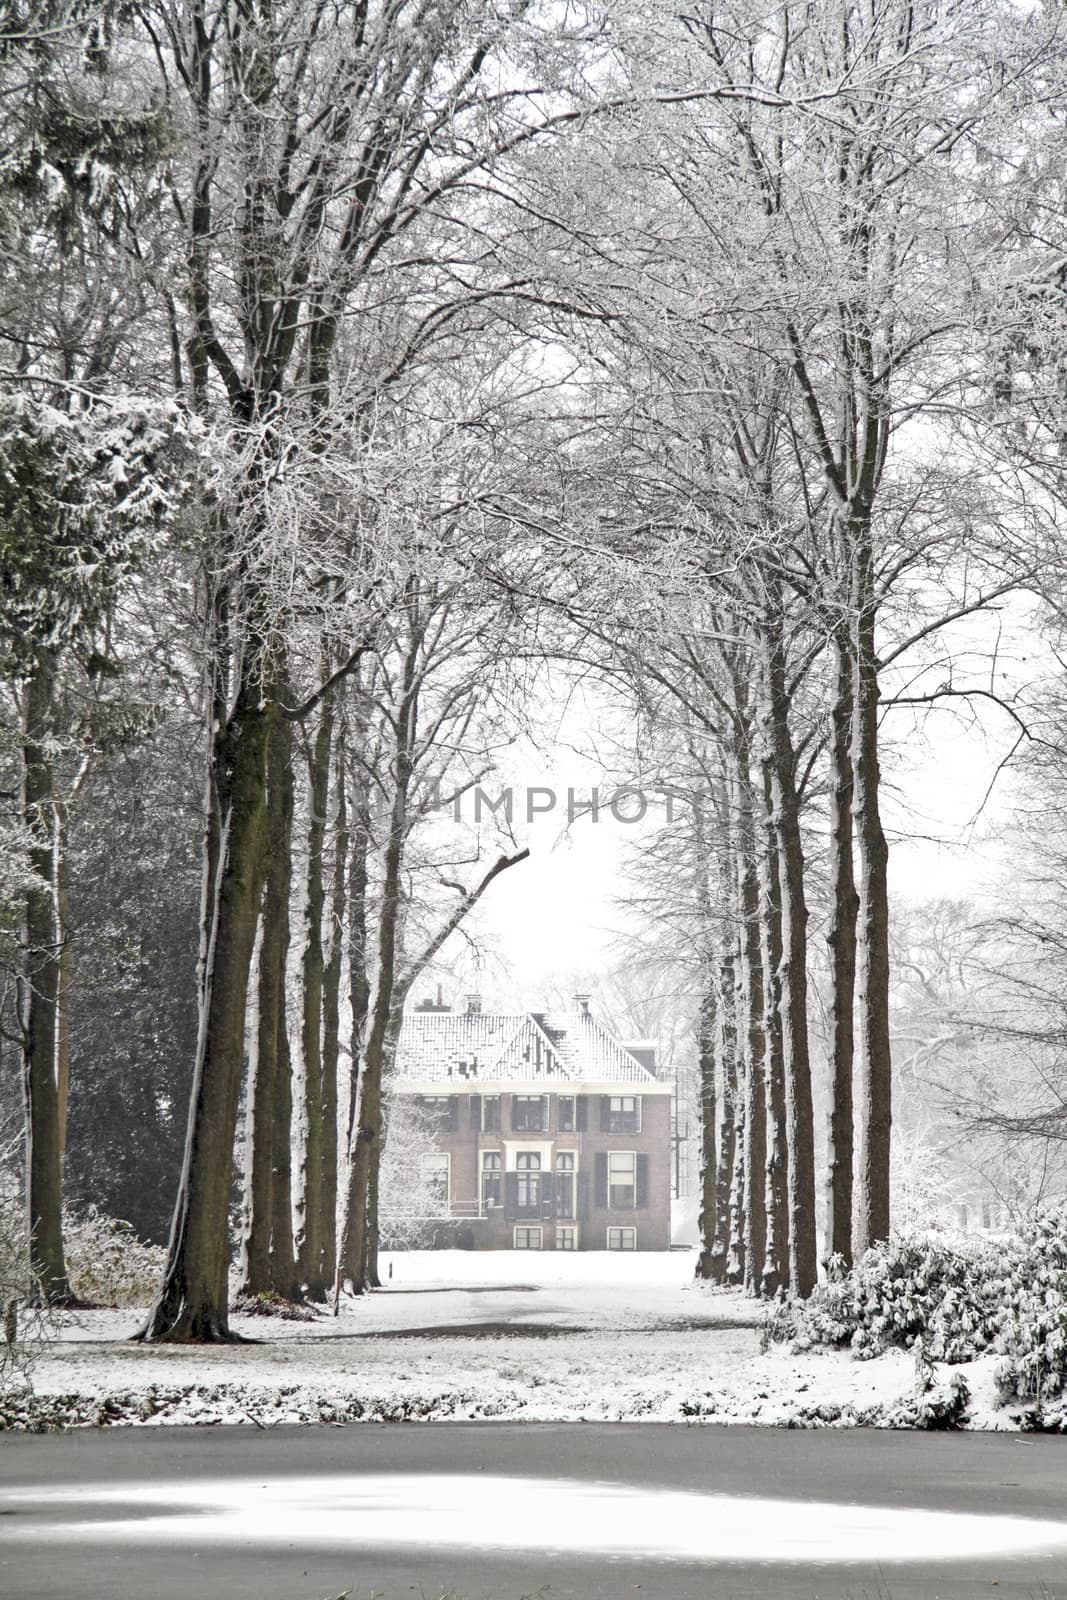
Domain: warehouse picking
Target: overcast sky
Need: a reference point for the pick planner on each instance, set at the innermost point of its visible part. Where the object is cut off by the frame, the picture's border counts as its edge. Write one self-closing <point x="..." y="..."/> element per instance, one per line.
<point x="555" y="918"/>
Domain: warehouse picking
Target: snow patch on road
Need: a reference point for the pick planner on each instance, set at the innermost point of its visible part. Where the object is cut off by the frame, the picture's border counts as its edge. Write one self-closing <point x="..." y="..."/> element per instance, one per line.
<point x="520" y="1514"/>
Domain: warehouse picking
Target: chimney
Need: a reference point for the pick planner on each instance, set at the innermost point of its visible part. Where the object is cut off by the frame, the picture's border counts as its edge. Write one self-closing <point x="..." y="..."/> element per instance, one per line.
<point x="434" y="1005"/>
<point x="474" y="1004"/>
<point x="581" y="1003"/>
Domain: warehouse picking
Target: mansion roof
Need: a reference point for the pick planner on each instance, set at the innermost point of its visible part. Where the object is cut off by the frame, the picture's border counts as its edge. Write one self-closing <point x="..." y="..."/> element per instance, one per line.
<point x="466" y="1049"/>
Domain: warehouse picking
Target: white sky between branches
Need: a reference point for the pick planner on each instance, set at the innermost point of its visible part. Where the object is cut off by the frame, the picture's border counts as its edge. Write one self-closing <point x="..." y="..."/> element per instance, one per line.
<point x="558" y="914"/>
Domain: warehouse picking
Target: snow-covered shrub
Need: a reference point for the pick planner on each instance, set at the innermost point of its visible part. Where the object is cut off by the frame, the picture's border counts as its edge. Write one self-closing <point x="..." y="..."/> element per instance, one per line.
<point x="107" y="1263"/>
<point x="915" y="1287"/>
<point x="934" y="1407"/>
<point x="954" y="1299"/>
<point x="1033" y="1338"/>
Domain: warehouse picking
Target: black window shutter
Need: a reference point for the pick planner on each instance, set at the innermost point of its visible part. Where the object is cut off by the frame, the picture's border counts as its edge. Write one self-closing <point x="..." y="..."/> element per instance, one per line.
<point x="476" y="1113"/>
<point x="512" y="1103"/>
<point x="581" y="1113"/>
<point x="453" y="1112"/>
<point x="583" y="1197"/>
<point x="511" y="1194"/>
<point x="547" y="1208"/>
<point x="642" y="1182"/>
<point x="605" y="1113"/>
<point x="600" y="1182"/>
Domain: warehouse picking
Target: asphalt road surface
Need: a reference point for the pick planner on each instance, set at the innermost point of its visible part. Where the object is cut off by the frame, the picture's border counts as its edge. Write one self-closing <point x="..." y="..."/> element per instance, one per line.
<point x="500" y="1512"/>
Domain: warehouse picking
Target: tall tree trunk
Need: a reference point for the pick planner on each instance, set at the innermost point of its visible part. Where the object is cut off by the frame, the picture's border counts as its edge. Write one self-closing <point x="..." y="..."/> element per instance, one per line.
<point x="192" y="1304"/>
<point x="726" y="1047"/>
<point x="875" y="1075"/>
<point x="735" y="1252"/>
<point x="754" y="1221"/>
<point x="331" y="1014"/>
<point x="284" y="1269"/>
<point x="803" y="1263"/>
<point x="284" y="1266"/>
<point x="707" y="1047"/>
<point x="350" y="1250"/>
<point x="369" y="1263"/>
<point x="735" y="1255"/>
<point x="707" y="1027"/>
<point x="724" y="1171"/>
<point x="366" y="1135"/>
<point x="39" y="980"/>
<point x="314" y="1269"/>
<point x="365" y="1138"/>
<point x="267" y="1259"/>
<point x="253" y="1261"/>
<point x="841" y="938"/>
<point x="776" y="1196"/>
<point x="65" y="976"/>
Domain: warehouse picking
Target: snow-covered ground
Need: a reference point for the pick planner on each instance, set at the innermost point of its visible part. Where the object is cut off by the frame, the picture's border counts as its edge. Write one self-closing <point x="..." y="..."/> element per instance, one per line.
<point x="538" y="1337"/>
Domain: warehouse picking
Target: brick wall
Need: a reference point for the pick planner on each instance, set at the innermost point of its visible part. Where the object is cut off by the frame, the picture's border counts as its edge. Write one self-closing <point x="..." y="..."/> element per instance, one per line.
<point x="466" y="1144"/>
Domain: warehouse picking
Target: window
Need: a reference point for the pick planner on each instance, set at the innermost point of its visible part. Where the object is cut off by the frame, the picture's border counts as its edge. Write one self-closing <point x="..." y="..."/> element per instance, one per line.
<point x="491" y="1113"/>
<point x="566" y="1238"/>
<point x="438" y="1111"/>
<point x="566" y="1113"/>
<point x="434" y="1171"/>
<point x="529" y="1238"/>
<point x="622" y="1238"/>
<point x="527" y="1113"/>
<point x="622" y="1180"/>
<point x="528" y="1167"/>
<point x="492" y="1179"/>
<point x="565" y="1187"/>
<point x="624" y="1114"/>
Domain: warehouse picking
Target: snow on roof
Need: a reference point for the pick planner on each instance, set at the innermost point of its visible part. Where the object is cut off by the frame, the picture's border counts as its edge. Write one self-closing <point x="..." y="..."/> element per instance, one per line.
<point x="489" y="1047"/>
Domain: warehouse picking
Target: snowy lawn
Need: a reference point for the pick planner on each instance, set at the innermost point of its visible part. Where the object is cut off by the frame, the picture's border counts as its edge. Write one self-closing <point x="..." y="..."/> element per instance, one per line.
<point x="470" y="1335"/>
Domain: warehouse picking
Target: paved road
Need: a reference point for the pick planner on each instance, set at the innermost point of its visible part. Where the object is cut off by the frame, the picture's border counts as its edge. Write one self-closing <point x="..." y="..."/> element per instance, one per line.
<point x="500" y="1512"/>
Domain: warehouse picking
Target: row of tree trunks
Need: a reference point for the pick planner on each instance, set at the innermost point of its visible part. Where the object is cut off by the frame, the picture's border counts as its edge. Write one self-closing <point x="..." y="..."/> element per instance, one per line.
<point x="793" y="988"/>
<point x="365" y="1136"/>
<point x="270" y="1263"/>
<point x="758" y="1180"/>
<point x="193" y="1299"/>
<point x="761" y="1229"/>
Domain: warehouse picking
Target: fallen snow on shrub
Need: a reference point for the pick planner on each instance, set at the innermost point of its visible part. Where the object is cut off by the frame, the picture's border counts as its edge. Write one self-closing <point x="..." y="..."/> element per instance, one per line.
<point x="953" y="1301"/>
